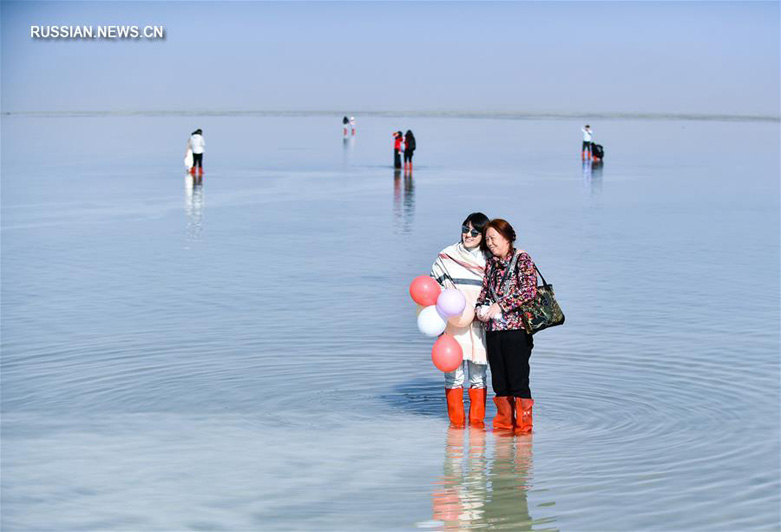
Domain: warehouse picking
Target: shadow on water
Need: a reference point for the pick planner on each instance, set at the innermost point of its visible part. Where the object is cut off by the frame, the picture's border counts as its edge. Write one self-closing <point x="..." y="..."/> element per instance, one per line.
<point x="193" y="207"/>
<point x="403" y="200"/>
<point x="425" y="397"/>
<point x="477" y="491"/>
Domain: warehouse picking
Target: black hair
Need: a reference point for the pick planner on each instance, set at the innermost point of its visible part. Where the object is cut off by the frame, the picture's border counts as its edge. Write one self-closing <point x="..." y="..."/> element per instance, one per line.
<point x="477" y="219"/>
<point x="409" y="139"/>
<point x="345" y="120"/>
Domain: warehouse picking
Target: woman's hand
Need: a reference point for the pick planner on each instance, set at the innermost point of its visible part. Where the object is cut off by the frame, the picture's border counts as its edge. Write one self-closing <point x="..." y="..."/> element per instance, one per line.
<point x="493" y="310"/>
<point x="485" y="314"/>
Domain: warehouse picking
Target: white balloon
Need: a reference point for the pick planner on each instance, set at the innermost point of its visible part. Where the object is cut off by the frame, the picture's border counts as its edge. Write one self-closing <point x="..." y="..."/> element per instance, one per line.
<point x="430" y="322"/>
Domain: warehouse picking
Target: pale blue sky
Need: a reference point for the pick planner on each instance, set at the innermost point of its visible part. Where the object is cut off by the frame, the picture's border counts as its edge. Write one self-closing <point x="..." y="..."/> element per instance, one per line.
<point x="568" y="57"/>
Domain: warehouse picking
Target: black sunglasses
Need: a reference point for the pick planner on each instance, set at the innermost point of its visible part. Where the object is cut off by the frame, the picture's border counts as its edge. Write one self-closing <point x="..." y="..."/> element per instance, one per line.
<point x="473" y="232"/>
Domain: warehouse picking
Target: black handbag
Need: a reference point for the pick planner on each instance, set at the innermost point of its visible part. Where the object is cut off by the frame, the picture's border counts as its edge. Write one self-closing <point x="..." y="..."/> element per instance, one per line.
<point x="543" y="311"/>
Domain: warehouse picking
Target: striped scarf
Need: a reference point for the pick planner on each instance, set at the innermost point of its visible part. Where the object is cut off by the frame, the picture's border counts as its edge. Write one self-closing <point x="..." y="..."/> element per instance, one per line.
<point x="457" y="267"/>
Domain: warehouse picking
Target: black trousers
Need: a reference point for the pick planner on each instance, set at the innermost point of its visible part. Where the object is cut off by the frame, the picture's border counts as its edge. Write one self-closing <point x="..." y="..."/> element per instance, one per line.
<point x="407" y="156"/>
<point x="586" y="146"/>
<point x="198" y="160"/>
<point x="396" y="159"/>
<point x="508" y="355"/>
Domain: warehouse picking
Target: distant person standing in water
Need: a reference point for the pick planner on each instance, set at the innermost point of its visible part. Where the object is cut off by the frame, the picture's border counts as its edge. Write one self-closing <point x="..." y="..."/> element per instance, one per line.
<point x="197" y="145"/>
<point x="352" y="125"/>
<point x="587" y="136"/>
<point x="409" y="148"/>
<point x="398" y="139"/>
<point x="345" y="127"/>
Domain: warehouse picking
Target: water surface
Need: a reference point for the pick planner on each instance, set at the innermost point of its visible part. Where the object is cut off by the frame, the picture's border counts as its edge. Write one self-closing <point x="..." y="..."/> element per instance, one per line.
<point x="243" y="355"/>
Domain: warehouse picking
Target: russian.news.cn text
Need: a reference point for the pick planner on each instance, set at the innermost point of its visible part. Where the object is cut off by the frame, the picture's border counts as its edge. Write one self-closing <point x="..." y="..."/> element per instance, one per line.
<point x="97" y="32"/>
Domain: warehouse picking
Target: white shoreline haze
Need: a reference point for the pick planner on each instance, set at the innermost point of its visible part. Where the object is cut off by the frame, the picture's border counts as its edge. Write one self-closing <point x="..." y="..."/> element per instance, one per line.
<point x="460" y="114"/>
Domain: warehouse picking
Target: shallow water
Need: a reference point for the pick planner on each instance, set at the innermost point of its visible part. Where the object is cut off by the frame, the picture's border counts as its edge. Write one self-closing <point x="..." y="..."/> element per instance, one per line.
<point x="243" y="355"/>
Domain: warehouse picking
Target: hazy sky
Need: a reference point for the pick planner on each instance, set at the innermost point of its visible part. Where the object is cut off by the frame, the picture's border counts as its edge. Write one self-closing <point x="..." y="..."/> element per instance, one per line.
<point x="571" y="57"/>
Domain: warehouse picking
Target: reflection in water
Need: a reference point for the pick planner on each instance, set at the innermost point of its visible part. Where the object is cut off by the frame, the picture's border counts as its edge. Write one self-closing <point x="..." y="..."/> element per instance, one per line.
<point x="193" y="207"/>
<point x="348" y="143"/>
<point x="477" y="492"/>
<point x="509" y="476"/>
<point x="592" y="177"/>
<point x="460" y="497"/>
<point x="403" y="200"/>
<point x="396" y="194"/>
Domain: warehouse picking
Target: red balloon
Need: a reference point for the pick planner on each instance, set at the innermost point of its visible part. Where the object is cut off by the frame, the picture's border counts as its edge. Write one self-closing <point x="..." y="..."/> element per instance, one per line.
<point x="447" y="354"/>
<point x="424" y="290"/>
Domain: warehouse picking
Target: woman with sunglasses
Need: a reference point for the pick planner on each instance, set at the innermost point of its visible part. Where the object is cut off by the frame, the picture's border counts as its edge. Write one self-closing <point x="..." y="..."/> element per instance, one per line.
<point x="510" y="281"/>
<point x="461" y="266"/>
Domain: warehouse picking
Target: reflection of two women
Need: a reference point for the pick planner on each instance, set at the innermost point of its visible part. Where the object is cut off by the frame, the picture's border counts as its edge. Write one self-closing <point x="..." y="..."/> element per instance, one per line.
<point x="477" y="490"/>
<point x="403" y="199"/>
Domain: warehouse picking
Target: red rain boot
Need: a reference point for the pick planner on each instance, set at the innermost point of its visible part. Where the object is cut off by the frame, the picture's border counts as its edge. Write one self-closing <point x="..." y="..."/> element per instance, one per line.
<point x="200" y="170"/>
<point x="455" y="406"/>
<point x="504" y="413"/>
<point x="523" y="412"/>
<point x="477" y="407"/>
<point x="192" y="171"/>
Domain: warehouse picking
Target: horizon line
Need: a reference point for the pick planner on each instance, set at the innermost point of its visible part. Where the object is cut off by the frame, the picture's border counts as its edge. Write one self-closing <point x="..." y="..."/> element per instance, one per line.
<point x="506" y="115"/>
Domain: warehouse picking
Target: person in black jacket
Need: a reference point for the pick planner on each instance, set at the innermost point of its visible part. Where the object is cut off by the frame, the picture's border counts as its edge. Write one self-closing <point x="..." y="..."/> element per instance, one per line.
<point x="409" y="149"/>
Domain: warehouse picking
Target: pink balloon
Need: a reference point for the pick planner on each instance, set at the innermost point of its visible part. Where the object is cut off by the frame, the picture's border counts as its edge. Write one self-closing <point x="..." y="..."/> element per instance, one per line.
<point x="424" y="290"/>
<point x="451" y="303"/>
<point x="446" y="353"/>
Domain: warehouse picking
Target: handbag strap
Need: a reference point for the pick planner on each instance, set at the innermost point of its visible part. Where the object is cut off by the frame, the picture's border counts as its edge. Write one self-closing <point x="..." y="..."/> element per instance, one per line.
<point x="505" y="282"/>
<point x="544" y="282"/>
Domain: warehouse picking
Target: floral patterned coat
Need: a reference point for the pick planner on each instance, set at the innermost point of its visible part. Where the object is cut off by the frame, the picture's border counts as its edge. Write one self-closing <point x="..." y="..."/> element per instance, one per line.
<point x="522" y="288"/>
